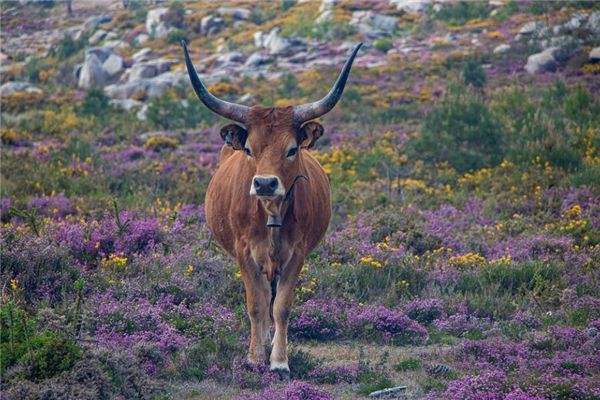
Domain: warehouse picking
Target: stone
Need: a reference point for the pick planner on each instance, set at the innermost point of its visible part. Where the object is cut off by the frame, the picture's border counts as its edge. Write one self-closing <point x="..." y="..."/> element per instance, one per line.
<point x="593" y="23"/>
<point x="102" y="53"/>
<point x="13" y="87"/>
<point x="373" y="25"/>
<point x="247" y="99"/>
<point x="92" y="73"/>
<point x="259" y="38"/>
<point x="278" y="45"/>
<point x="141" y="39"/>
<point x="531" y="28"/>
<point x="233" y="57"/>
<point x="389" y="393"/>
<point x="93" y="22"/>
<point x="236" y="13"/>
<point x="576" y="22"/>
<point x="414" y="6"/>
<point x="97" y="37"/>
<point x="594" y="55"/>
<point x="258" y="59"/>
<point x="542" y="62"/>
<point x="154" y="23"/>
<point x="500" y="49"/>
<point x="211" y="25"/>
<point x="113" y="65"/>
<point x="325" y="16"/>
<point x="142" y="55"/>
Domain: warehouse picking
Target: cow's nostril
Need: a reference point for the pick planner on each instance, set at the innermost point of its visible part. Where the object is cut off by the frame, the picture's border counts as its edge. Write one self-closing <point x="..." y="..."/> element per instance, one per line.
<point x="256" y="183"/>
<point x="273" y="183"/>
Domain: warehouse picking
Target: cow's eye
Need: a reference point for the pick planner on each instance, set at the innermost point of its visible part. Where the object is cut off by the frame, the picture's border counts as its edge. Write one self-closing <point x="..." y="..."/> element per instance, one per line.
<point x="248" y="151"/>
<point x="292" y="152"/>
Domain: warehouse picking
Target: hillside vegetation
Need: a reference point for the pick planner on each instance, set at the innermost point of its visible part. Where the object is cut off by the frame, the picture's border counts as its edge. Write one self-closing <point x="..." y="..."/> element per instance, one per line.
<point x="463" y="256"/>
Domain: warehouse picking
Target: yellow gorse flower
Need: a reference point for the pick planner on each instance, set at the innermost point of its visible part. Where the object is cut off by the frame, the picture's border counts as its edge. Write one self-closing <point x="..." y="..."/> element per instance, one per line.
<point x="114" y="261"/>
<point x="14" y="284"/>
<point x="370" y="261"/>
<point x="467" y="260"/>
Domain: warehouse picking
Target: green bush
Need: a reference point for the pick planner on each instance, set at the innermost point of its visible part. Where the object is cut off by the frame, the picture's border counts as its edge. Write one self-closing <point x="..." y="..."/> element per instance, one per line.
<point x="176" y="36"/>
<point x="383" y="44"/>
<point x="95" y="103"/>
<point x="408" y="364"/>
<point x="463" y="11"/>
<point x="169" y="112"/>
<point x="68" y="46"/>
<point x="41" y="355"/>
<point x="461" y="131"/>
<point x="473" y="74"/>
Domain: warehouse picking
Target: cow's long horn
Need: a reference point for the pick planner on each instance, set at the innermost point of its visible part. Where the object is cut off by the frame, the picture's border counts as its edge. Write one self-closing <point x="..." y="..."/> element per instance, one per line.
<point x="235" y="112"/>
<point x="306" y="112"/>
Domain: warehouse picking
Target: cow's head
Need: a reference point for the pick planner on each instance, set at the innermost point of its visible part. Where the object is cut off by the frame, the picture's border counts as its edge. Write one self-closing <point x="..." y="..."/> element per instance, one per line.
<point x="272" y="138"/>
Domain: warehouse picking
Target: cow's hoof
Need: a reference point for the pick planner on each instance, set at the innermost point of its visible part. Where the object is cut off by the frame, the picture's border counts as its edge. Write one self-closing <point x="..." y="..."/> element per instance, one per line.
<point x="282" y="369"/>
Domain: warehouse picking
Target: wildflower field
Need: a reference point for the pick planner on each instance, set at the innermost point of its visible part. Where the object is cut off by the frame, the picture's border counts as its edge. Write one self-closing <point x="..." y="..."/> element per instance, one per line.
<point x="463" y="256"/>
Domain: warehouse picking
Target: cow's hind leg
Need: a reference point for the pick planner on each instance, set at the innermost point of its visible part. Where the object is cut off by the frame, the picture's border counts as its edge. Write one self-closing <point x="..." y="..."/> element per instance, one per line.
<point x="281" y="312"/>
<point x="258" y="299"/>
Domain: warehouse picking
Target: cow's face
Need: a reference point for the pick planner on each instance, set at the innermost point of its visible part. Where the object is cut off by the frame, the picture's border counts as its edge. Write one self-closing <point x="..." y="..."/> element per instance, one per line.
<point x="272" y="147"/>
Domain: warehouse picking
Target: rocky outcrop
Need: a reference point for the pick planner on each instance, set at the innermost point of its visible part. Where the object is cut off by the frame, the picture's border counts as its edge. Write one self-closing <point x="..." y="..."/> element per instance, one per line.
<point x="373" y="25"/>
<point x="155" y="26"/>
<point x="278" y="45"/>
<point x="92" y="74"/>
<point x="10" y="88"/>
<point x="542" y="62"/>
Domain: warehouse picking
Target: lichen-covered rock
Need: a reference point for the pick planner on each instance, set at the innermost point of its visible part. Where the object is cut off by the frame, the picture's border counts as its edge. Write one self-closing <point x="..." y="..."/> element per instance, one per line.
<point x="92" y="73"/>
<point x="542" y="62"/>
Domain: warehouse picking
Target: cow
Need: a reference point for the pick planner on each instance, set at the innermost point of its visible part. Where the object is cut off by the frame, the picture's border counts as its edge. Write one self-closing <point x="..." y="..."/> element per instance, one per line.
<point x="269" y="204"/>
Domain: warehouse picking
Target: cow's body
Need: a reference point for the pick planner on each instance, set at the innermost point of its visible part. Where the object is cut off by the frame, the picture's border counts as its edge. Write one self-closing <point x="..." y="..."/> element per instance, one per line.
<point x="269" y="203"/>
<point x="238" y="222"/>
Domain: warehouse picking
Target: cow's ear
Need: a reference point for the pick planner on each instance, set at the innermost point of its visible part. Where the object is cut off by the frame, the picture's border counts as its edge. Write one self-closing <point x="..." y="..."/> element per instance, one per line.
<point x="234" y="136"/>
<point x="309" y="133"/>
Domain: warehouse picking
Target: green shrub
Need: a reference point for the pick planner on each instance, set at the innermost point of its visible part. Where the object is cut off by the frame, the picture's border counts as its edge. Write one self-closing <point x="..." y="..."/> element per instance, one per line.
<point x="302" y="363"/>
<point x="463" y="11"/>
<point x="176" y="36"/>
<point x="49" y="354"/>
<point x="68" y="46"/>
<point x="461" y="131"/>
<point x="473" y="74"/>
<point x="42" y="355"/>
<point x="95" y="103"/>
<point x="408" y="364"/>
<point x="169" y="112"/>
<point x="383" y="44"/>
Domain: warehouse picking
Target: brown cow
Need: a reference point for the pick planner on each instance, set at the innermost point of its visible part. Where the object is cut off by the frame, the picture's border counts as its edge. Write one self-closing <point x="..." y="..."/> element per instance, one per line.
<point x="268" y="204"/>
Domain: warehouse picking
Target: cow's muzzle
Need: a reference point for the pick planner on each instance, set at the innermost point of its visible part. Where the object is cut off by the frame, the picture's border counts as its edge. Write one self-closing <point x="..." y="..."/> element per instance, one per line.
<point x="267" y="186"/>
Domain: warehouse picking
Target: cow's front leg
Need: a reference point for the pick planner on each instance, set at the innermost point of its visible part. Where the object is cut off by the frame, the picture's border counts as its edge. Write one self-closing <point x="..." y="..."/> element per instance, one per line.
<point x="258" y="299"/>
<point x="281" y="312"/>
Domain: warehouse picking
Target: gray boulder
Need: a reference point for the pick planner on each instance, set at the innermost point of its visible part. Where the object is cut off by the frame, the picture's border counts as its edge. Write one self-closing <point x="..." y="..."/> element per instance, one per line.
<point x="155" y="26"/>
<point x="373" y="25"/>
<point x="113" y="65"/>
<point x="148" y="69"/>
<point x="531" y="28"/>
<point x="236" y="13"/>
<point x="415" y="6"/>
<point x="126" y="104"/>
<point x="500" y="49"/>
<point x="211" y="25"/>
<point x="232" y="57"/>
<point x="102" y="53"/>
<point x="593" y="23"/>
<point x="13" y="87"/>
<point x="92" y="73"/>
<point x="97" y="37"/>
<point x="93" y="22"/>
<point x="542" y="62"/>
<point x="258" y="59"/>
<point x="142" y="55"/>
<point x="278" y="45"/>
